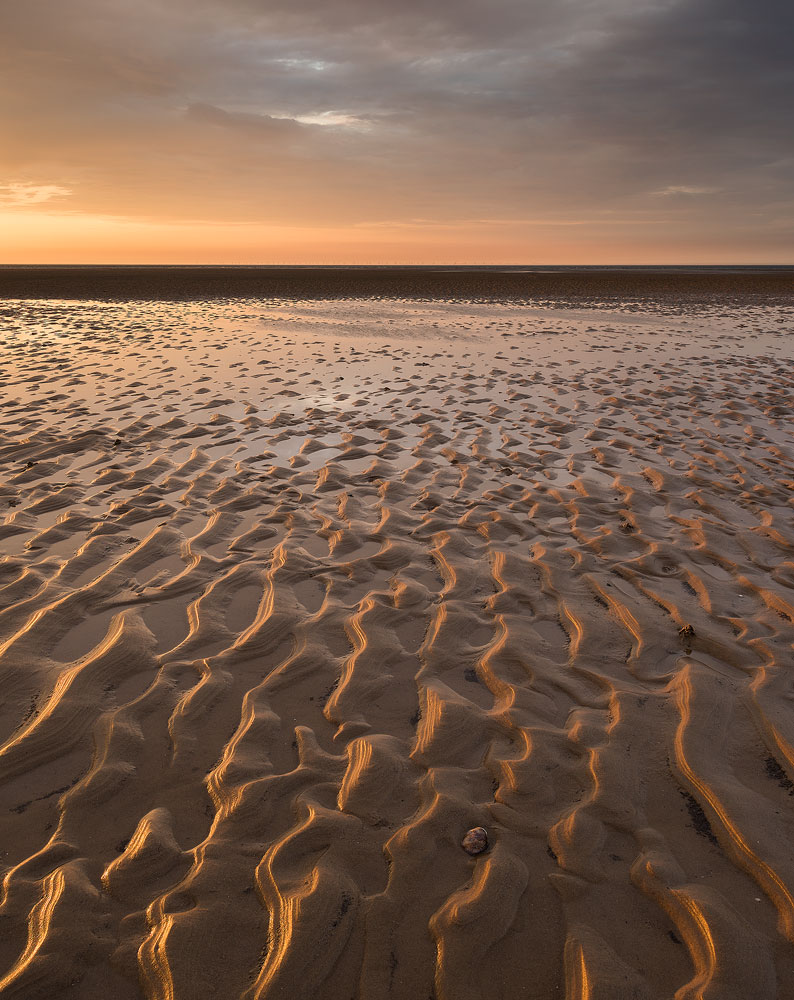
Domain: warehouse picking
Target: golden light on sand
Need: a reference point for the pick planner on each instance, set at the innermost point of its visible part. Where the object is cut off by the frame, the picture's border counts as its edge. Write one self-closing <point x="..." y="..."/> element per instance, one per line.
<point x="296" y="593"/>
<point x="396" y="469"/>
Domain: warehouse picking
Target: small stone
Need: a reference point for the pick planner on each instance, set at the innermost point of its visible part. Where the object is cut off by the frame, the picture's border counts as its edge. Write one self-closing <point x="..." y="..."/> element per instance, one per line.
<point x="687" y="632"/>
<point x="475" y="841"/>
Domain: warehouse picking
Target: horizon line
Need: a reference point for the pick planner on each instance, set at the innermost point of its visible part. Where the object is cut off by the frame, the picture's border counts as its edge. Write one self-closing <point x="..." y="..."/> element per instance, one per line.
<point x="438" y="264"/>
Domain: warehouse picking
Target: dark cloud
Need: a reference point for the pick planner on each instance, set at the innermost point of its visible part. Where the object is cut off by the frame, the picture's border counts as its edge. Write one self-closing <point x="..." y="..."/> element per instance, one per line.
<point x="674" y="113"/>
<point x="258" y="125"/>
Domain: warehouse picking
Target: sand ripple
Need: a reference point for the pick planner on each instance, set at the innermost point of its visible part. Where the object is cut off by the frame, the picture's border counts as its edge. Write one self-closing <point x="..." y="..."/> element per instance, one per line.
<point x="293" y="596"/>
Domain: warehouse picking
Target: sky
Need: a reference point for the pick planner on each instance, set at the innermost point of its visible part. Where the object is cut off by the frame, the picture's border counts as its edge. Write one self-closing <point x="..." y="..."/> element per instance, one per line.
<point x="397" y="131"/>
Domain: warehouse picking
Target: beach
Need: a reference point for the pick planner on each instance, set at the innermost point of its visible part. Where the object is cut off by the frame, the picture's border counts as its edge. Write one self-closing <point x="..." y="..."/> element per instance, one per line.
<point x="296" y="590"/>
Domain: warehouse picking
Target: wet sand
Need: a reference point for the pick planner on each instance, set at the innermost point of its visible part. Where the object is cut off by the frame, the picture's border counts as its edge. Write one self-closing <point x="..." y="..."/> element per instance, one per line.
<point x="293" y="594"/>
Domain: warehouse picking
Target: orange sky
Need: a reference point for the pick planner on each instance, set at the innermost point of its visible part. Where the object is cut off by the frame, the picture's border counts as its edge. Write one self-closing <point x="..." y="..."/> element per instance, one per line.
<point x="41" y="237"/>
<point x="518" y="131"/>
<point x="38" y="237"/>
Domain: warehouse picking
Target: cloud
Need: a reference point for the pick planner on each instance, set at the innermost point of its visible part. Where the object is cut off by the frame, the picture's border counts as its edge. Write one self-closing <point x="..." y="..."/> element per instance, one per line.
<point x="333" y="119"/>
<point x="268" y="125"/>
<point x="365" y="111"/>
<point x="676" y="190"/>
<point x="31" y="194"/>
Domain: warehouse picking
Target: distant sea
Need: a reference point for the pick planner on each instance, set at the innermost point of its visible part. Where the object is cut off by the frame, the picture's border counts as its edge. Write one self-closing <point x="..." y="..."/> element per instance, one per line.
<point x="753" y="284"/>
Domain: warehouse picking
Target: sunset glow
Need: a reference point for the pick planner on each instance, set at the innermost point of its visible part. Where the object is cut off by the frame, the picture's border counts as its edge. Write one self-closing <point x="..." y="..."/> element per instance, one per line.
<point x="396" y="580"/>
<point x="216" y="132"/>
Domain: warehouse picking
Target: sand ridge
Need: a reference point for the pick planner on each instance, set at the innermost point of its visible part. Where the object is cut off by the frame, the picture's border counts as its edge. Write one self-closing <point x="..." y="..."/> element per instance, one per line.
<point x="293" y="594"/>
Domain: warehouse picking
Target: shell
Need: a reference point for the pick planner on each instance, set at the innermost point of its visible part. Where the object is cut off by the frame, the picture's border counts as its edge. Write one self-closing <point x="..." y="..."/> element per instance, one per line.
<point x="475" y="841"/>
